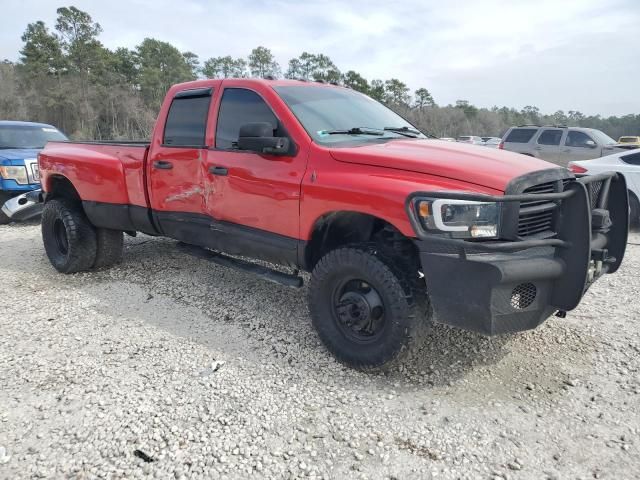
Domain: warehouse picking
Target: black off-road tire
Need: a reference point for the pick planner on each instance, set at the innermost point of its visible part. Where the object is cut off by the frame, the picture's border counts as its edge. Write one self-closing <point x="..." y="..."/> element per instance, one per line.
<point x="109" y="247"/>
<point x="68" y="236"/>
<point x="634" y="211"/>
<point x="3" y="218"/>
<point x="406" y="318"/>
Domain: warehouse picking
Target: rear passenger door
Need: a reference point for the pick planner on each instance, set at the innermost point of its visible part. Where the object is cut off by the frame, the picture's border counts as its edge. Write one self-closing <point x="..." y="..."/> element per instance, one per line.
<point x="578" y="146"/>
<point x="175" y="166"/>
<point x="548" y="144"/>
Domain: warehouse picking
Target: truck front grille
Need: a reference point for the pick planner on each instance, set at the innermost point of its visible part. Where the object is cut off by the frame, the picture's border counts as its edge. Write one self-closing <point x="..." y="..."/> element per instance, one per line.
<point x="594" y="193"/>
<point x="536" y="216"/>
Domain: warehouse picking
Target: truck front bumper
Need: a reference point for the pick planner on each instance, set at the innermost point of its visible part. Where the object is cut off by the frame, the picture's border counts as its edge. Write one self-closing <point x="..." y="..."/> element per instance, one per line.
<point x="23" y="207"/>
<point x="500" y="287"/>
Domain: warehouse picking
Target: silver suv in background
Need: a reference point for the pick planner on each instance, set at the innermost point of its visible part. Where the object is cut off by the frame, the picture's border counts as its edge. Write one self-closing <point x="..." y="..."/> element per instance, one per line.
<point x="558" y="144"/>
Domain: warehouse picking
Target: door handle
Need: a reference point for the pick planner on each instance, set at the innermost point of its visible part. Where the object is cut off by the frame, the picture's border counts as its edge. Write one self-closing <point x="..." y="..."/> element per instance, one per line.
<point x="218" y="170"/>
<point x="538" y="148"/>
<point x="568" y="150"/>
<point x="162" y="165"/>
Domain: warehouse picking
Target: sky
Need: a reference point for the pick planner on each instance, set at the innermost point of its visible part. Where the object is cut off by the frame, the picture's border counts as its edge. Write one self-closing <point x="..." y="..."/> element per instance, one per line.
<point x="554" y="54"/>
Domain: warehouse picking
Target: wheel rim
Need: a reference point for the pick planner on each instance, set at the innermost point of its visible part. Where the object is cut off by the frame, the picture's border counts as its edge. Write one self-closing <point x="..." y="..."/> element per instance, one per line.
<point x="60" y="234"/>
<point x="358" y="310"/>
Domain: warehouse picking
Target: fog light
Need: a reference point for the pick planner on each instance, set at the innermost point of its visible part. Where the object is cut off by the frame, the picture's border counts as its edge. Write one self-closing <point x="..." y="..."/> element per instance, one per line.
<point x="483" y="231"/>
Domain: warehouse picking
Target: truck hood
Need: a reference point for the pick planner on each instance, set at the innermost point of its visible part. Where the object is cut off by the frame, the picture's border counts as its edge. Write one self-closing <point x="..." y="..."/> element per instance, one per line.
<point x="487" y="167"/>
<point x="16" y="156"/>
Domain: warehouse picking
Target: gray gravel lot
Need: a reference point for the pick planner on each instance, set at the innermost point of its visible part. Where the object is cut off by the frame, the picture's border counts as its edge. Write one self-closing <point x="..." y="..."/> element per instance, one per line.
<point x="213" y="373"/>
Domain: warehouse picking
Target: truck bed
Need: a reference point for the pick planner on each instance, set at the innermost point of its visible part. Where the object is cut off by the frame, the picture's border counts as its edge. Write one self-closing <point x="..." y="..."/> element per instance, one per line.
<point x="108" y="172"/>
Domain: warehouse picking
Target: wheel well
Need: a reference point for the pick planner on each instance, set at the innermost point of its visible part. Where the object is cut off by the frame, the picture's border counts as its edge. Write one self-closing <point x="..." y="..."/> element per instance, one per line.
<point x="338" y="229"/>
<point x="61" y="187"/>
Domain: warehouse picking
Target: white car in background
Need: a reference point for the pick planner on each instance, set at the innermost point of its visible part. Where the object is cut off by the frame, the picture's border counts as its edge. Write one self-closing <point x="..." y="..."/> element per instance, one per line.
<point x="471" y="139"/>
<point x="491" y="142"/>
<point x="628" y="164"/>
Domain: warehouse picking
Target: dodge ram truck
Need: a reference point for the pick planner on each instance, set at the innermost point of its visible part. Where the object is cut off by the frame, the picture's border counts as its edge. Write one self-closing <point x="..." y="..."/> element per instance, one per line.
<point x="397" y="230"/>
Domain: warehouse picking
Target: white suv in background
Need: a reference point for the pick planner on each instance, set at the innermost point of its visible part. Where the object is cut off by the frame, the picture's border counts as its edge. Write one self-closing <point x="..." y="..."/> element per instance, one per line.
<point x="559" y="144"/>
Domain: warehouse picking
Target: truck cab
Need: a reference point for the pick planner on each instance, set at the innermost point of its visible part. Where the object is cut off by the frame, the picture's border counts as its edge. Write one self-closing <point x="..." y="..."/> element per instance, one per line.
<point x="20" y="143"/>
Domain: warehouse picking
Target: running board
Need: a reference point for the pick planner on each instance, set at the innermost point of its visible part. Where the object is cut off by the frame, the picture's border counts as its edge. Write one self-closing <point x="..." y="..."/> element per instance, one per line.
<point x="269" y="274"/>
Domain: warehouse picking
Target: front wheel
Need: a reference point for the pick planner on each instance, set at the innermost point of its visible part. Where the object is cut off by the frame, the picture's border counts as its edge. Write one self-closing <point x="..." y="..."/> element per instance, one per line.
<point x="69" y="239"/>
<point x="364" y="313"/>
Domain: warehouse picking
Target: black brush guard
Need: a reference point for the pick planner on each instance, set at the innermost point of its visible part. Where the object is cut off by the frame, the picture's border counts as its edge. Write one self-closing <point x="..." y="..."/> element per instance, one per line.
<point x="496" y="287"/>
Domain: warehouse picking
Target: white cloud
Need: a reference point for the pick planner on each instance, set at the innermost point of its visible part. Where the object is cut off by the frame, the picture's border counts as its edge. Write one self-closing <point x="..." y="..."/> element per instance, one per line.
<point x="574" y="54"/>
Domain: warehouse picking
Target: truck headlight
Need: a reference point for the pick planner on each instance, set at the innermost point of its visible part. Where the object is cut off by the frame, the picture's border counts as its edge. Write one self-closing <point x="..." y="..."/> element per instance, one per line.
<point x="17" y="173"/>
<point x="459" y="218"/>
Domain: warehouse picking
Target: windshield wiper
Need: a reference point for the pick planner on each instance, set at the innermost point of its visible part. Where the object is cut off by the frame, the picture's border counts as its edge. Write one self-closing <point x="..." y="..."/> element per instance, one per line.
<point x="356" y="131"/>
<point x="406" y="131"/>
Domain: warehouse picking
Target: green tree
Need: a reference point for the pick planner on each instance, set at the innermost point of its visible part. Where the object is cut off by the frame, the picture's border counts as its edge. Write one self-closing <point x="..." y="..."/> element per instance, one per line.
<point x="41" y="53"/>
<point x="377" y="91"/>
<point x="559" y="118"/>
<point x="396" y="92"/>
<point x="468" y="109"/>
<point x="78" y="37"/>
<point x="160" y="65"/>
<point x="354" y="80"/>
<point x="531" y="113"/>
<point x="423" y="99"/>
<point x="575" y="116"/>
<point x="309" y="66"/>
<point x="262" y="63"/>
<point x="194" y="63"/>
<point x="224" y="67"/>
<point x="124" y="66"/>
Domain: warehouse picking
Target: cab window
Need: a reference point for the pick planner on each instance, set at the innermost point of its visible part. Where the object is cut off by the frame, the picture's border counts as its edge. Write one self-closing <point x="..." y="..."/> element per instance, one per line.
<point x="238" y="107"/>
<point x="550" y="137"/>
<point x="577" y="139"/>
<point x="187" y="119"/>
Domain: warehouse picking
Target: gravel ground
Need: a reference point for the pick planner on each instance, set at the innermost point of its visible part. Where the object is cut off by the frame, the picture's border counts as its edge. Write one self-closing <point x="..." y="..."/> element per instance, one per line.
<point x="213" y="373"/>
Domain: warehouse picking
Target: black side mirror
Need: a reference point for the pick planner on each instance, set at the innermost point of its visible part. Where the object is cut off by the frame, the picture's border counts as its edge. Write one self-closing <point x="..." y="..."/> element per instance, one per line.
<point x="258" y="137"/>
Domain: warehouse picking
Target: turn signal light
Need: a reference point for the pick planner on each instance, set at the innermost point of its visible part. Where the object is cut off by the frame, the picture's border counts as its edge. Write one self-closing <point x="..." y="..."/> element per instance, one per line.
<point x="424" y="209"/>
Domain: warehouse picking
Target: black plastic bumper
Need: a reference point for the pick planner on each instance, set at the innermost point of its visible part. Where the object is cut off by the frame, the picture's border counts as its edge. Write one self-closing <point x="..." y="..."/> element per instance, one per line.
<point x="507" y="286"/>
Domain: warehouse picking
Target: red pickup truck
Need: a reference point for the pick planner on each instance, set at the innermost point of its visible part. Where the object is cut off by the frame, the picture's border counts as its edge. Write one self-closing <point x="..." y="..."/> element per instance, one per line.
<point x="398" y="230"/>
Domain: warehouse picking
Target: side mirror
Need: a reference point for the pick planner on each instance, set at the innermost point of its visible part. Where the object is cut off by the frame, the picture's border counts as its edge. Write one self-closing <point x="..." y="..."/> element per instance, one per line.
<point x="590" y="144"/>
<point x="258" y="137"/>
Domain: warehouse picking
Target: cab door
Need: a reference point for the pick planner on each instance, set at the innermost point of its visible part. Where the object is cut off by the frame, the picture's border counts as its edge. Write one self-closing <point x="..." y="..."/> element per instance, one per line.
<point x="254" y="197"/>
<point x="548" y="144"/>
<point x="175" y="167"/>
<point x="579" y="146"/>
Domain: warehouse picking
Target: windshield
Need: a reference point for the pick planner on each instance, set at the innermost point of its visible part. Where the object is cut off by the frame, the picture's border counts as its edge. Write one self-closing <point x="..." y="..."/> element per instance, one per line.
<point x="19" y="136"/>
<point x="335" y="115"/>
<point x="602" y="138"/>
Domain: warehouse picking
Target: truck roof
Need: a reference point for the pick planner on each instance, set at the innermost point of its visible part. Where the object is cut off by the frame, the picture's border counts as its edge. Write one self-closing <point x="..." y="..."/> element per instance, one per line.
<point x="16" y="123"/>
<point x="253" y="81"/>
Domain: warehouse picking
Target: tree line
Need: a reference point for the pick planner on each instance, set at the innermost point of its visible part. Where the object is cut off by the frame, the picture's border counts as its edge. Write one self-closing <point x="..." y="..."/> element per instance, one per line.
<point x="68" y="78"/>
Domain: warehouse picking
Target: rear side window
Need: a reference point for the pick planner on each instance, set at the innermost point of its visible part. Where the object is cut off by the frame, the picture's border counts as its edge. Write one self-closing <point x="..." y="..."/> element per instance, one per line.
<point x="577" y="139"/>
<point x="187" y="121"/>
<point x="633" y="159"/>
<point x="550" y="137"/>
<point x="520" y="135"/>
<point x="238" y="107"/>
